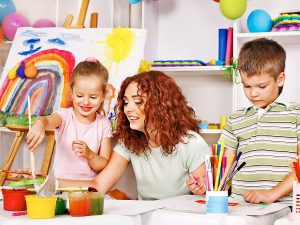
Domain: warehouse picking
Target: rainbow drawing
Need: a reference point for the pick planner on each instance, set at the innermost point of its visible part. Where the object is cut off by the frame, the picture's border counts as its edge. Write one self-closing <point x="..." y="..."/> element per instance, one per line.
<point x="45" y="77"/>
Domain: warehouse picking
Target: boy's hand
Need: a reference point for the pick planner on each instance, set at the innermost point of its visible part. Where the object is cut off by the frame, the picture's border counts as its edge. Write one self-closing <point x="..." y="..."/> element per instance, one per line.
<point x="35" y="135"/>
<point x="81" y="149"/>
<point x="258" y="196"/>
<point x="196" y="185"/>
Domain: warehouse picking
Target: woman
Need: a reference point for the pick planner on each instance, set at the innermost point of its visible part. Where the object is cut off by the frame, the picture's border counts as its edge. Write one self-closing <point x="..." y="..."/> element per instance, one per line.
<point x="156" y="130"/>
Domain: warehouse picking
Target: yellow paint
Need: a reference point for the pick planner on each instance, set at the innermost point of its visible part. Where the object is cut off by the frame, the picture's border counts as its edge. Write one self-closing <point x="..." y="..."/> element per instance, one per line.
<point x="13" y="72"/>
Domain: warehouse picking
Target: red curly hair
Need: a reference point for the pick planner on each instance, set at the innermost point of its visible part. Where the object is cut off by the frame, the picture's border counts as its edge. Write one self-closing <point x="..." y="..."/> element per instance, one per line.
<point x="166" y="109"/>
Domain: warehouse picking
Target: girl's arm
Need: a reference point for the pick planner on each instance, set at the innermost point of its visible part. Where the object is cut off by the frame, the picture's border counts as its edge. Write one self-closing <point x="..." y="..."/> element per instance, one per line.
<point x="106" y="179"/>
<point x="36" y="134"/>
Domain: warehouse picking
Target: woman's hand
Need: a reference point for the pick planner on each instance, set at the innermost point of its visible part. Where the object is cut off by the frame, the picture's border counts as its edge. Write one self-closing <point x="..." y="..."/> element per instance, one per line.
<point x="196" y="184"/>
<point x="81" y="149"/>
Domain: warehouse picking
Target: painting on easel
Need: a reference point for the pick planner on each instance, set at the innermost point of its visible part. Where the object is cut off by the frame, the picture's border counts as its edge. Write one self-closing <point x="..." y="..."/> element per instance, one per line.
<point x="41" y="61"/>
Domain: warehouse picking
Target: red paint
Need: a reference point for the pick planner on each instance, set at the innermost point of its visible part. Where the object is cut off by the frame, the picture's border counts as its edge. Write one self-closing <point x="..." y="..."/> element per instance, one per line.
<point x="14" y="199"/>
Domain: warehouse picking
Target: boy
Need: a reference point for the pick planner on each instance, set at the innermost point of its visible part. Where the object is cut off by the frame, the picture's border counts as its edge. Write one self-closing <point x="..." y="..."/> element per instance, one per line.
<point x="268" y="131"/>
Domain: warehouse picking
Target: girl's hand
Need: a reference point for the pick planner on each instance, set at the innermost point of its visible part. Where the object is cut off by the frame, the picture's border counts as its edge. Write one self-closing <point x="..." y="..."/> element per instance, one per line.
<point x="81" y="149"/>
<point x="259" y="196"/>
<point x="196" y="185"/>
<point x="35" y="135"/>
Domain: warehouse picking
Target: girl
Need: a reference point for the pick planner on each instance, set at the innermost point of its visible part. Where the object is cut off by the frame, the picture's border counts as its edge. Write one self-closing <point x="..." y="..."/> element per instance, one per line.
<point x="82" y="134"/>
<point x="156" y="131"/>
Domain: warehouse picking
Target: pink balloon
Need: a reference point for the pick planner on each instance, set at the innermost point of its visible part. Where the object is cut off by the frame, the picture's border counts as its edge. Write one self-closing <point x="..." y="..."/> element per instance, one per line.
<point x="11" y="22"/>
<point x="43" y="23"/>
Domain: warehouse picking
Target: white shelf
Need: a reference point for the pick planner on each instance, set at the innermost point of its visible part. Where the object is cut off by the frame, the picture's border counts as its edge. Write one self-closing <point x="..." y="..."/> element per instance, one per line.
<point x="192" y="70"/>
<point x="211" y="131"/>
<point x="284" y="37"/>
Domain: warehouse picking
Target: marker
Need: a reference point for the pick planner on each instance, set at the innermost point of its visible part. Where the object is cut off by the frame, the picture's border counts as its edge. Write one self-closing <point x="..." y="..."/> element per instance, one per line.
<point x="191" y="176"/>
<point x="231" y="175"/>
<point x="219" y="165"/>
<point x="209" y="173"/>
<point x="19" y="213"/>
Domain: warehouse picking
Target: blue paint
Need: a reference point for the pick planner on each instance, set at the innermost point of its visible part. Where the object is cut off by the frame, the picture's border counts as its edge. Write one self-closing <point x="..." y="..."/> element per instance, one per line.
<point x="56" y="41"/>
<point x="31" y="51"/>
<point x="31" y="41"/>
<point x="20" y="71"/>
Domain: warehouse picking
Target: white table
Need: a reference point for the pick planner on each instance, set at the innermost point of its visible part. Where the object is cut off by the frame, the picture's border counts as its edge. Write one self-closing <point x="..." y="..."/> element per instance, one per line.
<point x="138" y="213"/>
<point x="109" y="217"/>
<point x="164" y="216"/>
<point x="286" y="221"/>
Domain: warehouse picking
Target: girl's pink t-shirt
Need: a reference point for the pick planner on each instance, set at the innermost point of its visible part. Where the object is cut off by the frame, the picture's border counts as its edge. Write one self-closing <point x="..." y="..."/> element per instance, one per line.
<point x="67" y="165"/>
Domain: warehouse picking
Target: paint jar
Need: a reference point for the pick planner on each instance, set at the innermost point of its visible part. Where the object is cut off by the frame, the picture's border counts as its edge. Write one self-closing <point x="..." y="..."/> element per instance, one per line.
<point x="61" y="207"/>
<point x="97" y="203"/>
<point x="295" y="214"/>
<point x="216" y="202"/>
<point x="14" y="199"/>
<point x="79" y="203"/>
<point x="40" y="208"/>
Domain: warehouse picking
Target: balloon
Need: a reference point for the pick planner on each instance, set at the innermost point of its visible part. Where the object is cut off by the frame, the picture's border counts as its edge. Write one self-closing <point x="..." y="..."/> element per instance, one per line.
<point x="259" y="21"/>
<point x="43" y="23"/>
<point x="133" y="1"/>
<point x="233" y="9"/>
<point x="6" y="7"/>
<point x="11" y="22"/>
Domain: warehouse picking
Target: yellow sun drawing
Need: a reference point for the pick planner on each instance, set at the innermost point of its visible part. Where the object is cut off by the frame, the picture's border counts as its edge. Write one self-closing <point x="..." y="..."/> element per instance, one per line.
<point x="116" y="48"/>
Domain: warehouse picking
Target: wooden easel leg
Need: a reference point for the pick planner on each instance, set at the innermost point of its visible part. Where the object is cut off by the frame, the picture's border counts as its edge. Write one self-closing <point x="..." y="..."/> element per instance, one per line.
<point x="94" y="20"/>
<point x="48" y="154"/>
<point x="82" y="13"/>
<point x="11" y="155"/>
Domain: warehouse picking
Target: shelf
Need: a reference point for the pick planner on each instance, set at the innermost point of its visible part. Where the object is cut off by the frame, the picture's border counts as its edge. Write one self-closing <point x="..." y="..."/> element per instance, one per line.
<point x="192" y="70"/>
<point x="211" y="131"/>
<point x="284" y="37"/>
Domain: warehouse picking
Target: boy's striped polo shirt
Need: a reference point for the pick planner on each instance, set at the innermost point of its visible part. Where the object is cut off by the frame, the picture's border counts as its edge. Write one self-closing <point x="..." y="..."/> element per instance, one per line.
<point x="268" y="139"/>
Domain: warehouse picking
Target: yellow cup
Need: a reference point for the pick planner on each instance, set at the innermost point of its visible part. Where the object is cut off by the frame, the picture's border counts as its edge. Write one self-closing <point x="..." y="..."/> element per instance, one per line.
<point x="40" y="208"/>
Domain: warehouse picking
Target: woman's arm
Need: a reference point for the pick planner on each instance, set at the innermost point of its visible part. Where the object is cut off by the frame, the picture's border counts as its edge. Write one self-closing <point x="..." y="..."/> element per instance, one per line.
<point x="106" y="179"/>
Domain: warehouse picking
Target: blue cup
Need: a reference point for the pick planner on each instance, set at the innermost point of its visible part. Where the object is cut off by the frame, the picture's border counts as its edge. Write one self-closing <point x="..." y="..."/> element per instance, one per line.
<point x="216" y="202"/>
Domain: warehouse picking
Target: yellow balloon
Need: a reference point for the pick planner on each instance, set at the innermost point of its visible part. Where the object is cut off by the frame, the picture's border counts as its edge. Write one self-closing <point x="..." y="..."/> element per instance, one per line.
<point x="233" y="9"/>
<point x="13" y="72"/>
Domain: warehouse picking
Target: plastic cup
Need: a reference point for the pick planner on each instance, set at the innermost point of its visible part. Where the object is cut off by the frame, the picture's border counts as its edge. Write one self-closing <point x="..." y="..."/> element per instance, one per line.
<point x="40" y="208"/>
<point x="14" y="199"/>
<point x="79" y="203"/>
<point x="60" y="206"/>
<point x="97" y="203"/>
<point x="217" y="202"/>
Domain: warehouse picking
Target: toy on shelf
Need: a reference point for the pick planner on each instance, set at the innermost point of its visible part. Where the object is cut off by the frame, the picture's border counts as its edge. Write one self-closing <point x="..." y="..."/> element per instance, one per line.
<point x="177" y="63"/>
<point x="287" y="22"/>
<point x="259" y="21"/>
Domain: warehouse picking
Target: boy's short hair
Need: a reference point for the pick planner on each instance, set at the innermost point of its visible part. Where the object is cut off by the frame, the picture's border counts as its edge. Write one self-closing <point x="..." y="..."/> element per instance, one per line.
<point x="261" y="56"/>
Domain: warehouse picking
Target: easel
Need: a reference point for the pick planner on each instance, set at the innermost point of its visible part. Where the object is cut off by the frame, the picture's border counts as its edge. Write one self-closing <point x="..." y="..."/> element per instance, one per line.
<point x="14" y="148"/>
<point x="81" y="17"/>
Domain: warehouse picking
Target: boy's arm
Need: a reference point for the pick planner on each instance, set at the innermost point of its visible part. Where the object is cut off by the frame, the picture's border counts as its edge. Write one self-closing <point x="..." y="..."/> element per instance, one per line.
<point x="268" y="196"/>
